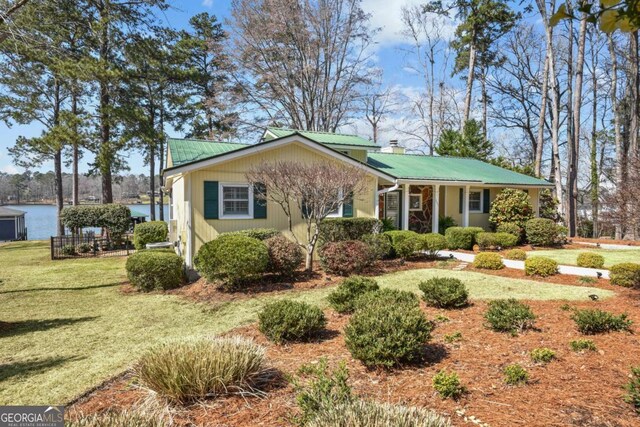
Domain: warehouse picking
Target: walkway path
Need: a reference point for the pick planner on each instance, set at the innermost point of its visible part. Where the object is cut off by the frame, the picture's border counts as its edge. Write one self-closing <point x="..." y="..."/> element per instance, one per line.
<point x="606" y="245"/>
<point x="562" y="269"/>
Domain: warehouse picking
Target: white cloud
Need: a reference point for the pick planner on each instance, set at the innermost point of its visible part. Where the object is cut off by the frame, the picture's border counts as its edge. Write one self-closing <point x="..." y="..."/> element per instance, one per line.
<point x="387" y="15"/>
<point x="207" y="3"/>
<point x="9" y="169"/>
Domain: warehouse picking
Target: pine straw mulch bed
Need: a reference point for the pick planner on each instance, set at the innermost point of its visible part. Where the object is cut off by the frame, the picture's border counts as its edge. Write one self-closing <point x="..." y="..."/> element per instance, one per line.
<point x="578" y="389"/>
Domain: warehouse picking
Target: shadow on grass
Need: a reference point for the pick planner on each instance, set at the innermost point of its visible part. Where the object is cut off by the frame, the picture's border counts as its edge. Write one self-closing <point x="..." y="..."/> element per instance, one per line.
<point x="10" y="329"/>
<point x="77" y="288"/>
<point x="13" y="369"/>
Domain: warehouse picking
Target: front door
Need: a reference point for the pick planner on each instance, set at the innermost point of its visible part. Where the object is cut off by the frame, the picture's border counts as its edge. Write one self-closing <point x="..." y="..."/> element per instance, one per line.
<point x="392" y="208"/>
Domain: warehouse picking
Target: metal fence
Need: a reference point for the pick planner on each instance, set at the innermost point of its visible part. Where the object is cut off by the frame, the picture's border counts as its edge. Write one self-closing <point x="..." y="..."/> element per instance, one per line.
<point x="89" y="245"/>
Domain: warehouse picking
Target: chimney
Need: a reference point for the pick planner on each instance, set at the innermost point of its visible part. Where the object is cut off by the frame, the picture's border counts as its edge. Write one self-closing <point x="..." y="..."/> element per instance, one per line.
<point x="393" y="148"/>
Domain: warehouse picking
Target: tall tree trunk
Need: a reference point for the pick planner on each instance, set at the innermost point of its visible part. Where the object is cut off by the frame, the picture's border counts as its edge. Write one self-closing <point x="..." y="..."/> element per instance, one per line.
<point x="595" y="180"/>
<point x="574" y="148"/>
<point x="483" y="82"/>
<point x="105" y="152"/>
<point x="152" y="181"/>
<point x="161" y="157"/>
<point x="75" y="188"/>
<point x="570" y="130"/>
<point x="57" y="163"/>
<point x="470" y="77"/>
<point x="633" y="152"/>
<point x="617" y="124"/>
<point x="541" y="118"/>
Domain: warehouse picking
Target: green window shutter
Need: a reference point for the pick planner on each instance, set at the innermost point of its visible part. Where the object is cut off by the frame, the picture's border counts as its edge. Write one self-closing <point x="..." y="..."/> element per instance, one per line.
<point x="211" y="200"/>
<point x="347" y="207"/>
<point x="486" y="202"/>
<point x="259" y="203"/>
<point x="461" y="200"/>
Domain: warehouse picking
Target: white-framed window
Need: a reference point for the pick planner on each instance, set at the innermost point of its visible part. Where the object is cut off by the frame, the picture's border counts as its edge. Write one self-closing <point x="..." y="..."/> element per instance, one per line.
<point x="235" y="201"/>
<point x="415" y="202"/>
<point x="475" y="201"/>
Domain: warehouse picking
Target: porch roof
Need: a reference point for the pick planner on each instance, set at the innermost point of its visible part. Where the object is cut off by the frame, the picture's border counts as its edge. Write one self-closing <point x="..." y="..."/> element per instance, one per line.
<point x="443" y="168"/>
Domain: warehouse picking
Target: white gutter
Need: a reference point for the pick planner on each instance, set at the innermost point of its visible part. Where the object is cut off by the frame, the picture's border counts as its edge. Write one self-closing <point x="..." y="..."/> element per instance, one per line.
<point x="387" y="190"/>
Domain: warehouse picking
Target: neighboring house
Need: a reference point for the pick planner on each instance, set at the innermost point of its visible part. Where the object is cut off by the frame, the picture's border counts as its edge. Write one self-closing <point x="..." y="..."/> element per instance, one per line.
<point x="12" y="224"/>
<point x="210" y="194"/>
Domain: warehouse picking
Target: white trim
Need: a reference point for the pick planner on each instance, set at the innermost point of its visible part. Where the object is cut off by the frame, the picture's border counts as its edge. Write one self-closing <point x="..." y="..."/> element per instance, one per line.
<point x="465" y="206"/>
<point x="415" y="195"/>
<point x="405" y="207"/>
<point x="465" y="183"/>
<point x="189" y="213"/>
<point x="272" y="144"/>
<point x="476" y="190"/>
<point x="435" y="209"/>
<point x="221" y="186"/>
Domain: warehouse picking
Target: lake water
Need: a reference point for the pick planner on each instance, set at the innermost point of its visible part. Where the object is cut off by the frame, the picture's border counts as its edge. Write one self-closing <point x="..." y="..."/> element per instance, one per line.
<point x="41" y="219"/>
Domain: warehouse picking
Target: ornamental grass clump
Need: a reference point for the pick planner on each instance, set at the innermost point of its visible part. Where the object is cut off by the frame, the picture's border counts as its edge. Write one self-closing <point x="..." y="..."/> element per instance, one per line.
<point x="120" y="419"/>
<point x="192" y="370"/>
<point x="361" y="413"/>
<point x="596" y="321"/>
<point x="287" y="320"/>
<point x="509" y="315"/>
<point x="343" y="298"/>
<point x="444" y="292"/>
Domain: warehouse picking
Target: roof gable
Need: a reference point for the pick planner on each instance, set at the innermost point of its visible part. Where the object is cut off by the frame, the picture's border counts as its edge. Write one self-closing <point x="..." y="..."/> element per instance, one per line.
<point x="322" y="137"/>
<point x="443" y="168"/>
<point x="185" y="151"/>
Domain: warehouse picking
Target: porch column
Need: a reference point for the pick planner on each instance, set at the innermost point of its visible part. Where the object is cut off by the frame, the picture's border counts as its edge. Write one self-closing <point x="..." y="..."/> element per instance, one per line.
<point x="465" y="206"/>
<point x="405" y="207"/>
<point x="435" y="208"/>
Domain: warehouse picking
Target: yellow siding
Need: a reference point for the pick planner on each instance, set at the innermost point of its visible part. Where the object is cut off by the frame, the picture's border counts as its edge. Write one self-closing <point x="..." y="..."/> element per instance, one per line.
<point x="234" y="172"/>
<point x="180" y="216"/>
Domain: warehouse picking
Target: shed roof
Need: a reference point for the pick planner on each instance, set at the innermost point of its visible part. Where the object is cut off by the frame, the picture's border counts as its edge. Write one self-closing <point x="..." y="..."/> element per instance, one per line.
<point x="10" y="212"/>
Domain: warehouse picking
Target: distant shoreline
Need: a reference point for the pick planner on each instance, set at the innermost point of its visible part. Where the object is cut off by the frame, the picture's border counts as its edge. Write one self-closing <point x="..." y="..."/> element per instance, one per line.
<point x="69" y="204"/>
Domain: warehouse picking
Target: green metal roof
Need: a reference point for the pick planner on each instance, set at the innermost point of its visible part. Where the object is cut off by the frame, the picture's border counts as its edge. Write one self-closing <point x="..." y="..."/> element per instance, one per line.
<point x="136" y="214"/>
<point x="191" y="150"/>
<point x="442" y="168"/>
<point x="323" y="137"/>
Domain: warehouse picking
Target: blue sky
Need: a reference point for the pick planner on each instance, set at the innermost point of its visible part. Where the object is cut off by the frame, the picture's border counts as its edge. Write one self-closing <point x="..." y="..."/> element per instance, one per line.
<point x="385" y="14"/>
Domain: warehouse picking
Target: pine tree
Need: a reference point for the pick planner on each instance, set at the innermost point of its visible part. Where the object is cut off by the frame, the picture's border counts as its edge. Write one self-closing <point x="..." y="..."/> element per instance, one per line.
<point x="468" y="143"/>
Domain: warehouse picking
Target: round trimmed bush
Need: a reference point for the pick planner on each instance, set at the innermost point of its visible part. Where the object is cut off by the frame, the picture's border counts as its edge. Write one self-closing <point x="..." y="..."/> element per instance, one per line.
<point x="360" y="413"/>
<point x="190" y="370"/>
<point x="511" y="206"/>
<point x="149" y="232"/>
<point x="515" y="254"/>
<point x="288" y="320"/>
<point x="506" y="240"/>
<point x="405" y="242"/>
<point x="590" y="260"/>
<point x="488" y="261"/>
<point x="540" y="266"/>
<point x="511" y="228"/>
<point x="462" y="237"/>
<point x="255" y="233"/>
<point x="379" y="244"/>
<point x="343" y="298"/>
<point x="542" y="232"/>
<point x="509" y="315"/>
<point x="486" y="240"/>
<point x="345" y="257"/>
<point x="625" y="274"/>
<point x="232" y="260"/>
<point x="155" y="270"/>
<point x="384" y="335"/>
<point x="285" y="256"/>
<point x="433" y="243"/>
<point x="444" y="292"/>
<point x="389" y="297"/>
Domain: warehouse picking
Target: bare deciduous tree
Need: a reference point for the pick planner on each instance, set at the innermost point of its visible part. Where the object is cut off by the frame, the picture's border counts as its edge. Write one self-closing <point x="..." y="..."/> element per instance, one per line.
<point x="310" y="190"/>
<point x="302" y="63"/>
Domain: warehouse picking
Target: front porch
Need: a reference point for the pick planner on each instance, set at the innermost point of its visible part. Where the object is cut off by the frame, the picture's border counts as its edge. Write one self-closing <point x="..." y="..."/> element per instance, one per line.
<point x="412" y="205"/>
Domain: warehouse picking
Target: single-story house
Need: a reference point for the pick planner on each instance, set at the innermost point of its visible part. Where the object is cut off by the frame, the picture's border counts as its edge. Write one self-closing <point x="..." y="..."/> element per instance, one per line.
<point x="12" y="224"/>
<point x="210" y="194"/>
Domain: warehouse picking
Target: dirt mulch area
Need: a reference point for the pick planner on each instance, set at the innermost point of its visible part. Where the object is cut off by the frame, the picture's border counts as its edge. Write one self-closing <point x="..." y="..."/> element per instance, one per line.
<point x="607" y="241"/>
<point x="577" y="389"/>
<point x="204" y="292"/>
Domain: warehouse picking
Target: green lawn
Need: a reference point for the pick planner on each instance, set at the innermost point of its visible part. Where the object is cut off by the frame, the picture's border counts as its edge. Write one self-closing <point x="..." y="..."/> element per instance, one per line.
<point x="611" y="256"/>
<point x="67" y="326"/>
